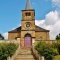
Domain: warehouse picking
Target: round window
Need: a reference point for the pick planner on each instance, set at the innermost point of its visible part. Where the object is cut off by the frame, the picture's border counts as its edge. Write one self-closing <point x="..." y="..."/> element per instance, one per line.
<point x="41" y="38"/>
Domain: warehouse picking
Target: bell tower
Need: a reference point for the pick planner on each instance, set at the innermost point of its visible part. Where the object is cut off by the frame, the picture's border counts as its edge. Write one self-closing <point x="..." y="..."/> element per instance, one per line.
<point x="28" y="25"/>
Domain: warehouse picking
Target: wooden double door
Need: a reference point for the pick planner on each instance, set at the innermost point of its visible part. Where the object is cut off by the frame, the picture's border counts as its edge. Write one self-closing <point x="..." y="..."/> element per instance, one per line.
<point x="27" y="40"/>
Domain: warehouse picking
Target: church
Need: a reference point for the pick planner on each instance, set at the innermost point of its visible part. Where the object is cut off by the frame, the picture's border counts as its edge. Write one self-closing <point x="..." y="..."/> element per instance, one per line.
<point x="28" y="32"/>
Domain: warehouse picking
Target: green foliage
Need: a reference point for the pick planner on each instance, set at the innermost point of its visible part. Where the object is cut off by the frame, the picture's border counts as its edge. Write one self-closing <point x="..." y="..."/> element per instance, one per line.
<point x="56" y="57"/>
<point x="7" y="49"/>
<point x="58" y="37"/>
<point x="3" y="52"/>
<point x="57" y="46"/>
<point x="11" y="49"/>
<point x="46" y="50"/>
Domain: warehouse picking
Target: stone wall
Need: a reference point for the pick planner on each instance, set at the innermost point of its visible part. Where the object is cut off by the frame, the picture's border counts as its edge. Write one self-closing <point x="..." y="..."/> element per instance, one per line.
<point x="12" y="36"/>
<point x="45" y="35"/>
<point x="10" y="41"/>
<point x="46" y="41"/>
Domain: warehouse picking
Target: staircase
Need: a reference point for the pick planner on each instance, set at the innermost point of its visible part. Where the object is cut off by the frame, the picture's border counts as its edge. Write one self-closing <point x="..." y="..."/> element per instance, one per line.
<point x="25" y="54"/>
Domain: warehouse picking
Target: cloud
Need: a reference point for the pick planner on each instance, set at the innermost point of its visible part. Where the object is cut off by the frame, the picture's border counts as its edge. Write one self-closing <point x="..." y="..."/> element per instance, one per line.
<point x="13" y="28"/>
<point x="5" y="35"/>
<point x="51" y="22"/>
<point x="56" y="2"/>
<point x="52" y="17"/>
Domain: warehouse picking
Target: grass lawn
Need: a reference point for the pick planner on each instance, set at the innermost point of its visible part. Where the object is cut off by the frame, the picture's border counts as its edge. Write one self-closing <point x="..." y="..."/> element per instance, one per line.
<point x="56" y="57"/>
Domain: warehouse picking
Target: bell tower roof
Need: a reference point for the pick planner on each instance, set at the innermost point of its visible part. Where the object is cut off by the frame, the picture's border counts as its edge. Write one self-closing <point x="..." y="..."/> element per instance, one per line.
<point x="28" y="5"/>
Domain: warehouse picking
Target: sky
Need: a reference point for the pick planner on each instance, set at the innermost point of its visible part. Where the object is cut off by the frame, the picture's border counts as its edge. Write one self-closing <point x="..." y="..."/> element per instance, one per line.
<point x="47" y="15"/>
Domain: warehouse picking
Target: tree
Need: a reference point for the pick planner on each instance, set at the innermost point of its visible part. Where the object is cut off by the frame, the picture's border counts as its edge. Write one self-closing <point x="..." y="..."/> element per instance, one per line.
<point x="58" y="37"/>
<point x="1" y="37"/>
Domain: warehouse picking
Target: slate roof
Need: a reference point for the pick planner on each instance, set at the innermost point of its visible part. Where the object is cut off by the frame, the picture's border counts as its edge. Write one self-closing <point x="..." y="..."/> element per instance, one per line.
<point x="37" y="28"/>
<point x="28" y="5"/>
<point x="16" y="30"/>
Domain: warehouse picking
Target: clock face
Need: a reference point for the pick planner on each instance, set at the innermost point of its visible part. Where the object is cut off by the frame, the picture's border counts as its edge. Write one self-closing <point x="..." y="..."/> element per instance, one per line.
<point x="27" y="25"/>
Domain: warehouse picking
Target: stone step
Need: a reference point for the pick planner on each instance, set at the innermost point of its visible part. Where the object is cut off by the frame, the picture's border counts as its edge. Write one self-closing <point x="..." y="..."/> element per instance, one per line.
<point x="25" y="48"/>
<point x="25" y="59"/>
<point x="25" y="52"/>
<point x="25" y="56"/>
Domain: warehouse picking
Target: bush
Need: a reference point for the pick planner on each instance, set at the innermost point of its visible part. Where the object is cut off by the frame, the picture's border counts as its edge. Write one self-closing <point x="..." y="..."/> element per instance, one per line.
<point x="56" y="57"/>
<point x="46" y="50"/>
<point x="57" y="46"/>
<point x="6" y="50"/>
<point x="11" y="48"/>
<point x="3" y="52"/>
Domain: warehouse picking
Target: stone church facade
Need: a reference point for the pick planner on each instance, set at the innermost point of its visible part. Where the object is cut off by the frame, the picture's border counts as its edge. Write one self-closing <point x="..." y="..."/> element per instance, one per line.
<point x="28" y="32"/>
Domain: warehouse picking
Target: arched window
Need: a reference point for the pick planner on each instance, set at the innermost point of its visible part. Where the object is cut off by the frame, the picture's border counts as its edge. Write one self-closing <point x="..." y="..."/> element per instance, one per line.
<point x="41" y="38"/>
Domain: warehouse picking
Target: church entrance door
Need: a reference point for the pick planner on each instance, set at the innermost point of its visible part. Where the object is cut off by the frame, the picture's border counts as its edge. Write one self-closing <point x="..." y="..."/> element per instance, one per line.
<point x="27" y="40"/>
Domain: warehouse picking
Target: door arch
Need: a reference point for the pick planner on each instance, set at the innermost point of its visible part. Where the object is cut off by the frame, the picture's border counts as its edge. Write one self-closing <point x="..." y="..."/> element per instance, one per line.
<point x="27" y="40"/>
